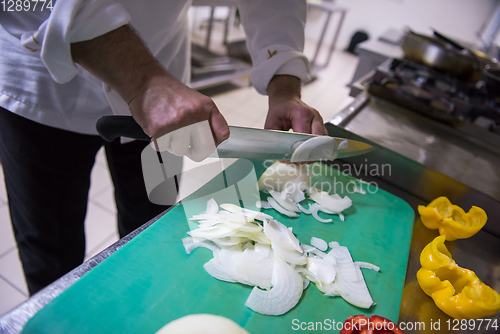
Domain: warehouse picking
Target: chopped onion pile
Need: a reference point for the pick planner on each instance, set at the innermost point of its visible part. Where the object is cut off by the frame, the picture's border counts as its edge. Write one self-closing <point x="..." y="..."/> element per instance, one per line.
<point x="287" y="184"/>
<point x="250" y="247"/>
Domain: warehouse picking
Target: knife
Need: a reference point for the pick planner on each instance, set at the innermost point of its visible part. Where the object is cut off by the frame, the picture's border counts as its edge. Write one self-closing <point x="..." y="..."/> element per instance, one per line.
<point x="243" y="142"/>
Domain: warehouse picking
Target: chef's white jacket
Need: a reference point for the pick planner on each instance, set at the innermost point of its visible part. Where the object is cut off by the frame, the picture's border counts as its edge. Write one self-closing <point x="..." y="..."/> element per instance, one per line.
<point x="40" y="81"/>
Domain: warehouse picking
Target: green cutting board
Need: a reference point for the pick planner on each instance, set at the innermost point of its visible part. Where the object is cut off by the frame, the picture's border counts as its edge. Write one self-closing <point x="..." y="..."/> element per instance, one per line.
<point x="151" y="280"/>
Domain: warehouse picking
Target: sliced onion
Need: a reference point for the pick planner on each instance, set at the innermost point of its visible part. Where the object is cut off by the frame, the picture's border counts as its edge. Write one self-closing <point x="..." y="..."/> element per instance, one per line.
<point x="307" y="248"/>
<point x="263" y="250"/>
<point x="308" y="274"/>
<point x="283" y="296"/>
<point x="314" y="149"/>
<point x="357" y="189"/>
<point x="333" y="244"/>
<point x="215" y="232"/>
<point x="331" y="202"/>
<point x="295" y="190"/>
<point x="208" y="223"/>
<point x="228" y="241"/>
<point x="344" y="144"/>
<point x="314" y="212"/>
<point x="350" y="283"/>
<point x="323" y="270"/>
<point x="330" y="258"/>
<point x="255" y="268"/>
<point x="280" y="209"/>
<point x="367" y="265"/>
<point x="280" y="235"/>
<point x="245" y="212"/>
<point x="306" y="211"/>
<point x="216" y="273"/>
<point x="244" y="227"/>
<point x="190" y="244"/>
<point x="330" y="290"/>
<point x="284" y="201"/>
<point x="226" y="260"/>
<point x="256" y="237"/>
<point x="306" y="282"/>
<point x="290" y="256"/>
<point x="225" y="215"/>
<point x="263" y="205"/>
<point x="267" y="256"/>
<point x="212" y="206"/>
<point x="313" y="250"/>
<point x="280" y="175"/>
<point x="298" y="196"/>
<point x="319" y="244"/>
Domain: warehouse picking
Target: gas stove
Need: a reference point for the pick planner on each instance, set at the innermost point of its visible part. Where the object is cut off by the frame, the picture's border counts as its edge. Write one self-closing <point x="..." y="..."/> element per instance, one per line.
<point x="436" y="95"/>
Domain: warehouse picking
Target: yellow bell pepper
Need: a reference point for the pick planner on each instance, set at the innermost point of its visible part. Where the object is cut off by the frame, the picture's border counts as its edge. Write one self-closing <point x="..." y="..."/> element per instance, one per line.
<point x="457" y="291"/>
<point x="451" y="220"/>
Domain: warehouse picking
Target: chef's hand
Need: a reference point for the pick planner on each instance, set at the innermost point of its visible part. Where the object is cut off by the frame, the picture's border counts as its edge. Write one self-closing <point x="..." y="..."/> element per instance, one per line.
<point x="158" y="102"/>
<point x="177" y="118"/>
<point x="287" y="111"/>
<point x="164" y="104"/>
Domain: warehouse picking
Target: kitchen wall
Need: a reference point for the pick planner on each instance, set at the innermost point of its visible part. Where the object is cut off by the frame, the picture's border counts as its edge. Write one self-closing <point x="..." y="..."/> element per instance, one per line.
<point x="461" y="19"/>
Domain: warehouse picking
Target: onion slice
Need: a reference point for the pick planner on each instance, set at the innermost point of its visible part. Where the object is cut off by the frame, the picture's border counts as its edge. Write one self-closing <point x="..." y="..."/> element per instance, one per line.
<point x="280" y="235"/>
<point x="313" y="250"/>
<point x="367" y="265"/>
<point x="190" y="244"/>
<point x="216" y="272"/>
<point x="245" y="212"/>
<point x="350" y="283"/>
<point x="333" y="203"/>
<point x="283" y="296"/>
<point x="314" y="149"/>
<point x="323" y="270"/>
<point x="314" y="210"/>
<point x="289" y="256"/>
<point x="282" y="200"/>
<point x="280" y="176"/>
<point x="280" y="209"/>
<point x="263" y="205"/>
<point x="306" y="211"/>
<point x="212" y="206"/>
<point x="357" y="188"/>
<point x="319" y="244"/>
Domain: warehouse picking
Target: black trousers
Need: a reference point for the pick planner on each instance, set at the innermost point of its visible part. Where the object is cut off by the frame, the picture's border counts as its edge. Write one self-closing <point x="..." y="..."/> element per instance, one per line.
<point x="47" y="176"/>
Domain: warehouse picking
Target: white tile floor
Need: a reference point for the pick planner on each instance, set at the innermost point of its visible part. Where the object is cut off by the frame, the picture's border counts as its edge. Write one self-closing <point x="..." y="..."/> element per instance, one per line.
<point x="243" y="106"/>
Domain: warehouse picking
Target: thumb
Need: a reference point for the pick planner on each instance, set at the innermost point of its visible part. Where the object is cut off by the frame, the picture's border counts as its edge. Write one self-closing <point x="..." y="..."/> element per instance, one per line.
<point x="220" y="129"/>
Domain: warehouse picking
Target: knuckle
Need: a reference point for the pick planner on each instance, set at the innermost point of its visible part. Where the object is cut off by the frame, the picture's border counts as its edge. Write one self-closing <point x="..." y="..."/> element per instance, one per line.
<point x="304" y="112"/>
<point x="209" y="104"/>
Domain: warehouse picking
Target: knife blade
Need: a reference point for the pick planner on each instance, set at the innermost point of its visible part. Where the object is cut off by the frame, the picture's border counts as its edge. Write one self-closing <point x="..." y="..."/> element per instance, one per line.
<point x="261" y="144"/>
<point x="247" y="143"/>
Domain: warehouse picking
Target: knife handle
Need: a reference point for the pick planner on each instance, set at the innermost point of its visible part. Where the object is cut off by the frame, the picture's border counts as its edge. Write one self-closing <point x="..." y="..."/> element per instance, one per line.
<point x="112" y="127"/>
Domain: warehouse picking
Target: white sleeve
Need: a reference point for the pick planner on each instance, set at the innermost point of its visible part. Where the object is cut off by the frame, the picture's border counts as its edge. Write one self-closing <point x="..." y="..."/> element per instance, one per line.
<point x="72" y="21"/>
<point x="275" y="39"/>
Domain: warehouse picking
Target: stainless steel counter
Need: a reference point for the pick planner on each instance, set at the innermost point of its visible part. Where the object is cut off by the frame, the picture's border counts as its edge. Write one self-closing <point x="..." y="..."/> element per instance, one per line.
<point x="428" y="160"/>
<point x="430" y="143"/>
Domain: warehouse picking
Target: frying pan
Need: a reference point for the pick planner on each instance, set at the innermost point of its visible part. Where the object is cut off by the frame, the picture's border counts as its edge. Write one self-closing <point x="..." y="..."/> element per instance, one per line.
<point x="445" y="55"/>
